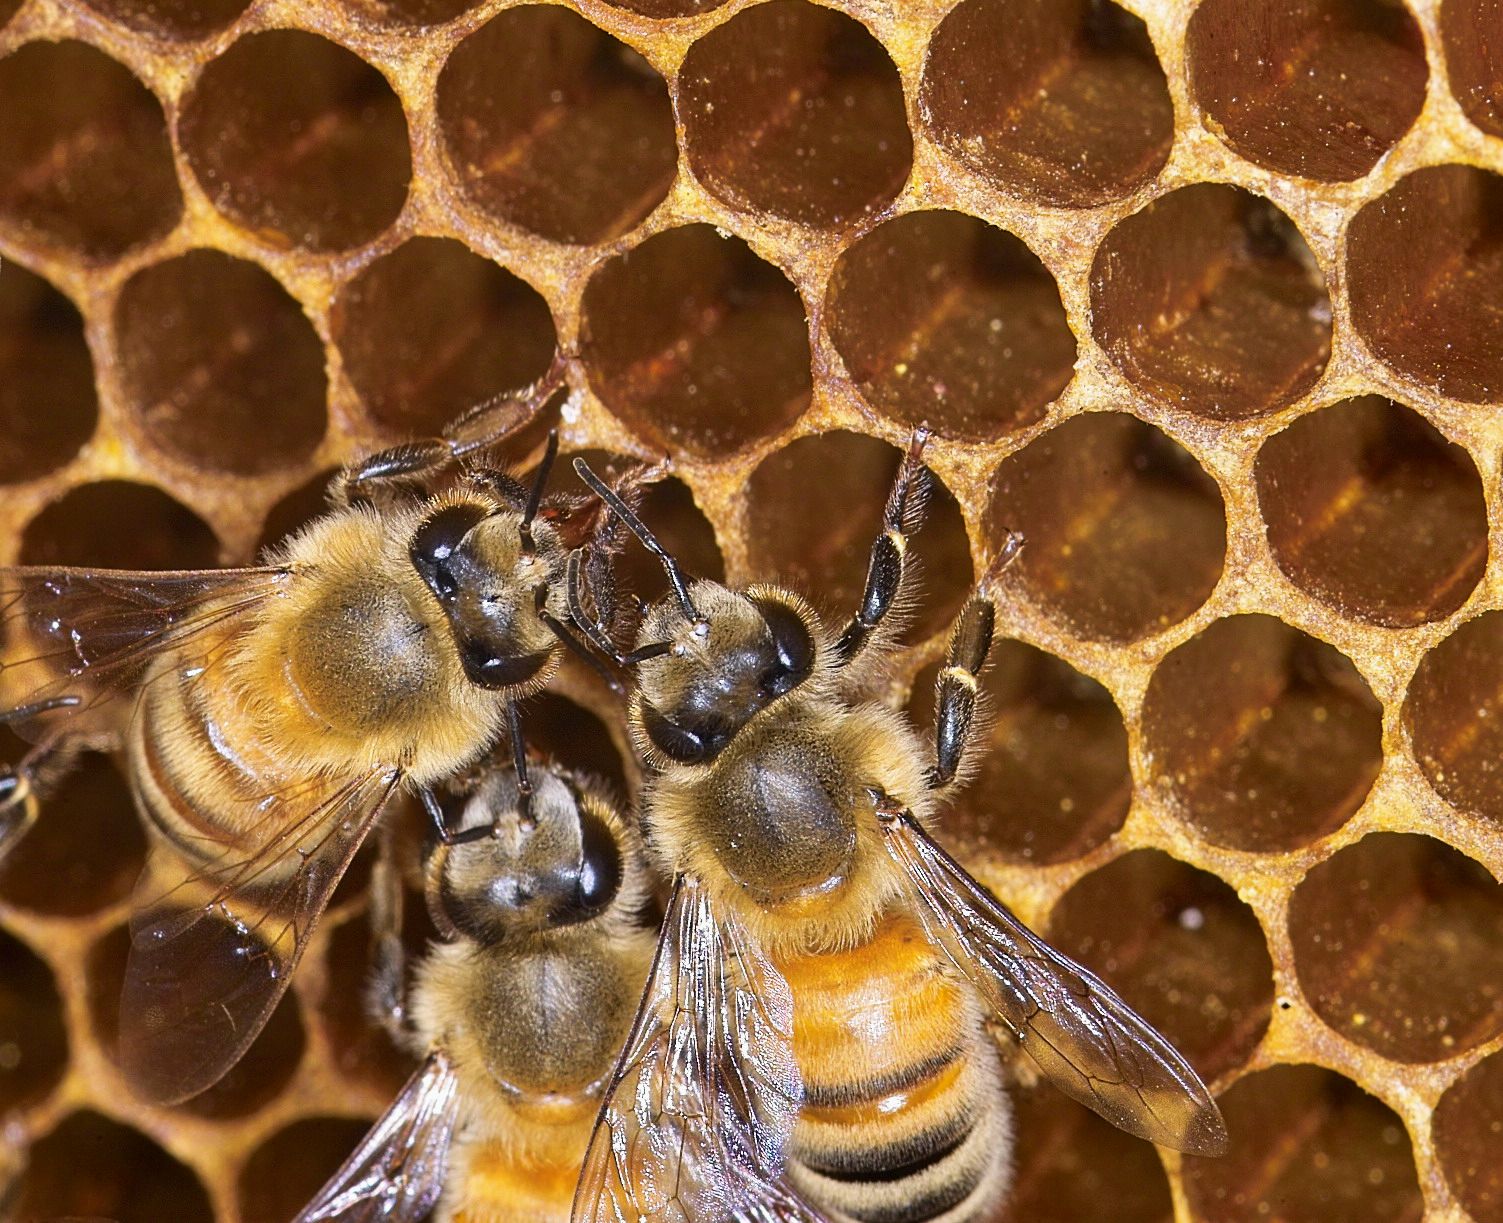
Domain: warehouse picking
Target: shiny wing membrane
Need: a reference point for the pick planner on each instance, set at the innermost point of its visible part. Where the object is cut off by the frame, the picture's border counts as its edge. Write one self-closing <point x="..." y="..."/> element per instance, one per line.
<point x="1090" y="1043"/>
<point x="214" y="943"/>
<point x="86" y="636"/>
<point x="397" y="1173"/>
<point x="698" y="1113"/>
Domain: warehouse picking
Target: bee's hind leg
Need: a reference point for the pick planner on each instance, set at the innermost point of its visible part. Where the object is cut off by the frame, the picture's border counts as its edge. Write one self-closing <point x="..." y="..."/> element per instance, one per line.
<point x="386" y="978"/>
<point x="957" y="691"/>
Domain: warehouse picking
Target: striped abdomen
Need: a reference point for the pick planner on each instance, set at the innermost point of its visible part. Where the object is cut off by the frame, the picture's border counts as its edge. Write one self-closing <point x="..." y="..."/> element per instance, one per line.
<point x="904" y="1117"/>
<point x="517" y="1178"/>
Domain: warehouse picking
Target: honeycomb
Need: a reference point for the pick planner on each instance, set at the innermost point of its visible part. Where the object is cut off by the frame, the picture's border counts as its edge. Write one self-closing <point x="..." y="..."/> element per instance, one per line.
<point x="1205" y="299"/>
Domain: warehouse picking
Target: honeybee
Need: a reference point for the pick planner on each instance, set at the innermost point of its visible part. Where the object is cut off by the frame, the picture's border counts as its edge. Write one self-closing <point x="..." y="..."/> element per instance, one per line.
<point x="269" y="713"/>
<point x="793" y="818"/>
<point x="519" y="1014"/>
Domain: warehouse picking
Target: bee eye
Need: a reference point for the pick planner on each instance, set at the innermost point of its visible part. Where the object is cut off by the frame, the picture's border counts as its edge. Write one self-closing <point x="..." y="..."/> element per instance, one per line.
<point x="792" y="645"/>
<point x="433" y="543"/>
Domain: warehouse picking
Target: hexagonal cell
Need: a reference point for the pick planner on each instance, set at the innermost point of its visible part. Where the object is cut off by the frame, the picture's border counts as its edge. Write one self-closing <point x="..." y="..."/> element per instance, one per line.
<point x="1468" y="1128"/>
<point x="221" y="366"/>
<point x="284" y="1172"/>
<point x="1474" y="60"/>
<point x="433" y="329"/>
<point x="179" y="19"/>
<point x="1210" y="300"/>
<point x="1061" y="101"/>
<point x="1265" y="738"/>
<point x="553" y="125"/>
<point x="1370" y="508"/>
<point x="92" y="1166"/>
<point x="47" y="403"/>
<point x="1053" y="781"/>
<point x="299" y="140"/>
<point x="667" y="8"/>
<point x="695" y="343"/>
<point x="119" y="525"/>
<point x="1398" y="944"/>
<point x="253" y="1082"/>
<point x="295" y="510"/>
<point x="1307" y="1146"/>
<point x="1180" y="947"/>
<point x="33" y="1039"/>
<point x="86" y="849"/>
<point x="1454" y="716"/>
<point x="1319" y="88"/>
<point x="1070" y="1166"/>
<point x="1424" y="266"/>
<point x="414" y="12"/>
<point x="794" y="109"/>
<point x="85" y="162"/>
<point x="1125" y="532"/>
<point x="975" y="345"/>
<point x="813" y="509"/>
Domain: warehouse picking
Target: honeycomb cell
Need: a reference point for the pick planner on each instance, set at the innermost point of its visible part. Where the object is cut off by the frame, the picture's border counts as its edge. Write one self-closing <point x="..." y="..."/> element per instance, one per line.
<point x="1398" y="943"/>
<point x="432" y="329"/>
<point x="796" y="110"/>
<point x="1320" y="88"/>
<point x="1307" y="1146"/>
<point x="1060" y="101"/>
<point x="1424" y="266"/>
<point x="220" y="364"/>
<point x="976" y="343"/>
<point x="1369" y="508"/>
<point x="119" y="525"/>
<point x="47" y="404"/>
<point x="1468" y="1132"/>
<point x="33" y="1040"/>
<point x="1070" y="1166"/>
<point x="1474" y="59"/>
<point x="362" y="1051"/>
<point x="1180" y="947"/>
<point x="1052" y="782"/>
<point x="695" y="343"/>
<point x="1210" y="300"/>
<point x="1125" y="532"/>
<point x="667" y="8"/>
<point x="94" y="1167"/>
<point x="813" y="510"/>
<point x="415" y="12"/>
<point x="85" y="163"/>
<point x="284" y="1172"/>
<point x="295" y="510"/>
<point x="554" y="126"/>
<point x="178" y="19"/>
<point x="1265" y="738"/>
<point x="1454" y="716"/>
<point x="253" y="1082"/>
<point x="298" y="140"/>
<point x="86" y="848"/>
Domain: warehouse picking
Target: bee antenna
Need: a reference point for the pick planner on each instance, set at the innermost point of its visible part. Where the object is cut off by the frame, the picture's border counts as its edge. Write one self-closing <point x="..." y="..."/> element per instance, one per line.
<point x="638" y="528"/>
<point x="535" y="497"/>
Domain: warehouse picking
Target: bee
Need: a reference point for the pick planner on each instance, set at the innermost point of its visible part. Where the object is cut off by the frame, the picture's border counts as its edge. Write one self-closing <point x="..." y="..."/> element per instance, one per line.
<point x="519" y="1013"/>
<point x="819" y="1022"/>
<point x="268" y="714"/>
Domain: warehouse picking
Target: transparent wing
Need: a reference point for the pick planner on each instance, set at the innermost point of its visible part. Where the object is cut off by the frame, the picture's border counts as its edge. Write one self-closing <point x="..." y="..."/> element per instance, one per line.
<point x="88" y="634"/>
<point x="700" y="1108"/>
<point x="214" y="940"/>
<point x="397" y="1173"/>
<point x="1090" y="1043"/>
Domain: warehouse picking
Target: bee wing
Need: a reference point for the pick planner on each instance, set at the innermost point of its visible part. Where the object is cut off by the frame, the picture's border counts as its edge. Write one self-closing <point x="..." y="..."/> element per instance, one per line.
<point x="1090" y="1043"/>
<point x="78" y="638"/>
<point x="698" y="1113"/>
<point x="397" y="1172"/>
<point x="213" y="945"/>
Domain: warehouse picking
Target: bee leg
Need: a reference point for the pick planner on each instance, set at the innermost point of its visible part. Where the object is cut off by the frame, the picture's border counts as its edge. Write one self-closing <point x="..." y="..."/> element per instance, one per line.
<point x="595" y="631"/>
<point x="386" y="982"/>
<point x="956" y="690"/>
<point x="519" y="765"/>
<point x="572" y="643"/>
<point x="901" y="518"/>
<point x="24" y="784"/>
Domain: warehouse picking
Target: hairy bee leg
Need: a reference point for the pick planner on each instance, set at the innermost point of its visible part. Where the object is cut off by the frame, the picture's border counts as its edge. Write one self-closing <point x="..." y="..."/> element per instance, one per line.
<point x="595" y="631"/>
<point x="519" y="765"/>
<point x="386" y="980"/>
<point x="956" y="689"/>
<point x="901" y="518"/>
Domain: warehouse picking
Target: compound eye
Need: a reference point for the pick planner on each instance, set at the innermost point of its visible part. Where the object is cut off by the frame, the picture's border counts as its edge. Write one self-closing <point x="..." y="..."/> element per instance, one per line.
<point x="433" y="543"/>
<point x="792" y="643"/>
<point x="600" y="866"/>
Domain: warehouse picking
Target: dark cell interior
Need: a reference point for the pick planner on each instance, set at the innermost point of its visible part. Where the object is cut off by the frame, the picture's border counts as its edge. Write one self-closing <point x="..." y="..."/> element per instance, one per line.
<point x="33" y="1041"/>
<point x="667" y="8"/>
<point x="554" y="126"/>
<point x="1265" y="738"/>
<point x="120" y="525"/>
<point x="174" y="19"/>
<point x="1125" y="532"/>
<point x="281" y="1175"/>
<point x="220" y="365"/>
<point x="976" y="345"/>
<point x="1472" y="37"/>
<point x="413" y="12"/>
<point x="1468" y="1127"/>
<point x="1209" y="300"/>
<point x="794" y="109"/>
<point x="299" y="140"/>
<point x="1061" y="101"/>
<point x="293" y="511"/>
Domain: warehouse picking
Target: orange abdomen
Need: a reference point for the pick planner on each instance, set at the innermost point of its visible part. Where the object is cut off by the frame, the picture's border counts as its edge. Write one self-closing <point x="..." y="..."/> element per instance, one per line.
<point x="490" y="1182"/>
